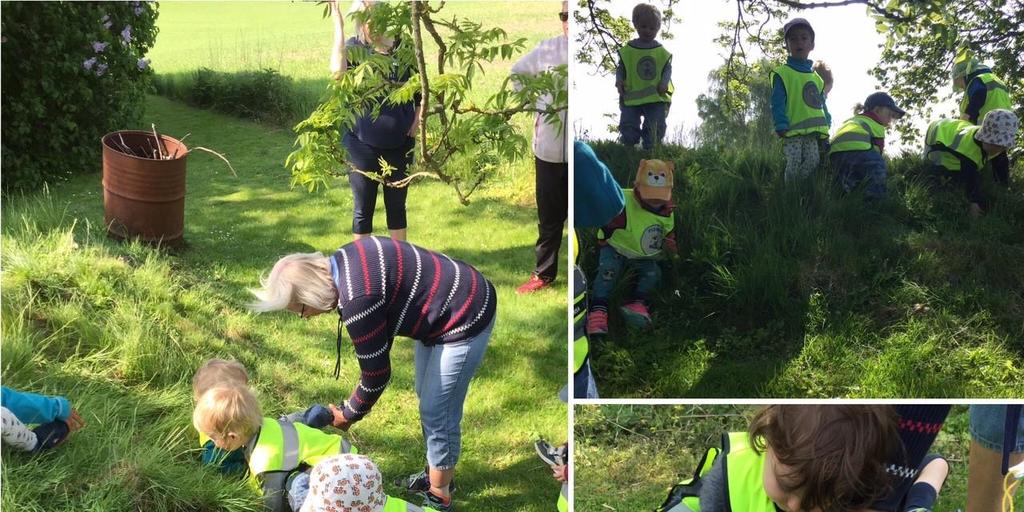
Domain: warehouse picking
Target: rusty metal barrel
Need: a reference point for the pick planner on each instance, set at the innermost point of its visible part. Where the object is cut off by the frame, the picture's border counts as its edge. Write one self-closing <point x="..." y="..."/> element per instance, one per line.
<point x="144" y="197"/>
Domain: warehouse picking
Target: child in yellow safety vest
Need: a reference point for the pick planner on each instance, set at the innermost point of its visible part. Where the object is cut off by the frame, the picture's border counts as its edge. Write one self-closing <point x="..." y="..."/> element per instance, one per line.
<point x="983" y="93"/>
<point x="856" y="149"/>
<point x="276" y="451"/>
<point x="643" y="78"/>
<point x="636" y="238"/>
<point x="223" y="372"/>
<point x="799" y="89"/>
<point x="805" y="457"/>
<point x="957" y="150"/>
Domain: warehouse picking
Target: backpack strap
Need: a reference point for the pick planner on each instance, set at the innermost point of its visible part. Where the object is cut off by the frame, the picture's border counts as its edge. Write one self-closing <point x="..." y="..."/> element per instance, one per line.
<point x="275" y="487"/>
<point x="689" y="488"/>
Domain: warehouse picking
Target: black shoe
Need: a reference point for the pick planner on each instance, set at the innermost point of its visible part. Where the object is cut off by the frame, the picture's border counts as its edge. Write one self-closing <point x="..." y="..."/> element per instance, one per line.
<point x="50" y="435"/>
<point x="420" y="483"/>
<point x="433" y="502"/>
<point x="549" y="454"/>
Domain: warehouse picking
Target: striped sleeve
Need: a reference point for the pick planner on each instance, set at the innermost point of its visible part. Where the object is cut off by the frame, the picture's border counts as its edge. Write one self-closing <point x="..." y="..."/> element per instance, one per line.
<point x="365" y="320"/>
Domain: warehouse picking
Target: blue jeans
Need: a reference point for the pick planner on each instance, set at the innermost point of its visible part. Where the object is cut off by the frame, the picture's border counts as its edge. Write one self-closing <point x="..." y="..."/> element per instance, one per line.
<point x="855" y="167"/>
<point x="366" y="158"/>
<point x="651" y="131"/>
<point x="987" y="425"/>
<point x="583" y="382"/>
<point x="443" y="373"/>
<point x="610" y="265"/>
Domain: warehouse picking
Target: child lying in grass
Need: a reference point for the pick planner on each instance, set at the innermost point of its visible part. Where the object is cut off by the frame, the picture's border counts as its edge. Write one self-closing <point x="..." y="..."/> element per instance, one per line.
<point x="807" y="458"/>
<point x="635" y="239"/>
<point x="276" y="452"/>
<point x="56" y="419"/>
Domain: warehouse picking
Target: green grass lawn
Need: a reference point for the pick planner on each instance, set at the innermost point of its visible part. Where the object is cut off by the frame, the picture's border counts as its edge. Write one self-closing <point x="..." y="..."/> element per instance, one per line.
<point x="627" y="456"/>
<point x="799" y="291"/>
<point x="119" y="329"/>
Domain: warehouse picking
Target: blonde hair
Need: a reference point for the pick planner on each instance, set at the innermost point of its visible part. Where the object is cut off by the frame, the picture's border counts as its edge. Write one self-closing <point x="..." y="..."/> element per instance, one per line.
<point x="215" y="372"/>
<point x="302" y="277"/>
<point x="228" y="409"/>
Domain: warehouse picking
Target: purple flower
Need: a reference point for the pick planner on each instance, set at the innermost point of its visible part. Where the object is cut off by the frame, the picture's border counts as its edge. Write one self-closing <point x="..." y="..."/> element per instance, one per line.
<point x="89" y="63"/>
<point x="98" y="46"/>
<point x="100" y="69"/>
<point x="126" y="34"/>
<point x="105" y="18"/>
<point x="139" y="9"/>
<point x="108" y="24"/>
<point x="143" y="64"/>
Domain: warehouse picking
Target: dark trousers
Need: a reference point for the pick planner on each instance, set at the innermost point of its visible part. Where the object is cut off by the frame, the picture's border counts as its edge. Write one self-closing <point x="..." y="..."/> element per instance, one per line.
<point x="643" y="123"/>
<point x="552" y="210"/>
<point x="1001" y="169"/>
<point x="366" y="158"/>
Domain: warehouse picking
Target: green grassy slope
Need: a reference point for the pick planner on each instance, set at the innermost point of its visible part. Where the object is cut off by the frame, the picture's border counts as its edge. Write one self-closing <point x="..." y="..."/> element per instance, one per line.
<point x="792" y="291"/>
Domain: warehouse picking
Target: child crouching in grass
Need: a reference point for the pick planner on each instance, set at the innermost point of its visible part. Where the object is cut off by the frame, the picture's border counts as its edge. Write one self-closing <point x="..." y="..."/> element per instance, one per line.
<point x="807" y="458"/>
<point x="277" y="453"/>
<point x="856" y="150"/>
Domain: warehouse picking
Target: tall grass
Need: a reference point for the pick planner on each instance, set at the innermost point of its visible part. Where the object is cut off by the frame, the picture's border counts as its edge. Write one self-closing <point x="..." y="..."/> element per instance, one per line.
<point x="799" y="290"/>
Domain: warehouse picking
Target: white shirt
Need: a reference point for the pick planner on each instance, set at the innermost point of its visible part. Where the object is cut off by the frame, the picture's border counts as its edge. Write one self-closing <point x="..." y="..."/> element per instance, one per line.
<point x="549" y="141"/>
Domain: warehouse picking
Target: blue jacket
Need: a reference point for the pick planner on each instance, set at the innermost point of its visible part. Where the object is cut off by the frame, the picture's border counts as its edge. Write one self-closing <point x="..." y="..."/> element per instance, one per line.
<point x="390" y="130"/>
<point x="779" y="94"/>
<point x="31" y="408"/>
<point x="597" y="197"/>
<point x="977" y="94"/>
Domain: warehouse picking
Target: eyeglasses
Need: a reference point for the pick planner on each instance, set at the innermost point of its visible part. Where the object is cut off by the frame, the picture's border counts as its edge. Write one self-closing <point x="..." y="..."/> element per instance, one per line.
<point x="564" y="16"/>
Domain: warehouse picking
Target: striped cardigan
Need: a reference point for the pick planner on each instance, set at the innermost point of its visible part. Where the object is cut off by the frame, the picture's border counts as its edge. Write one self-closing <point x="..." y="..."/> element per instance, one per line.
<point x="388" y="288"/>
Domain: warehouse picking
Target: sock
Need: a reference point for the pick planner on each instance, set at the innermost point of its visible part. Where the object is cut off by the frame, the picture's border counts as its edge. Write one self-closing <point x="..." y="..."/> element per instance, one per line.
<point x="921" y="496"/>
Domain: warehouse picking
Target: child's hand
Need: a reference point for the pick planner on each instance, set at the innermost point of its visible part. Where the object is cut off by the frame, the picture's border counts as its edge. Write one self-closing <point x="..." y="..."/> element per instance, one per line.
<point x="75" y="421"/>
<point x="670" y="246"/>
<point x="560" y="473"/>
<point x="339" y="418"/>
<point x="825" y="73"/>
<point x="662" y="89"/>
<point x="975" y="210"/>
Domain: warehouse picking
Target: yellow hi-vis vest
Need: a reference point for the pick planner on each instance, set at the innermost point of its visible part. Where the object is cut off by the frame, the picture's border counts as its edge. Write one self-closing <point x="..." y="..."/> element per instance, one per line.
<point x="643" y="74"/>
<point x="947" y="138"/>
<point x="282" y="446"/>
<point x="580" y="345"/>
<point x="744" y="479"/>
<point x="856" y="134"/>
<point x="645" y="231"/>
<point x="398" y="505"/>
<point x="805" y="101"/>
<point x="563" y="499"/>
<point x="998" y="96"/>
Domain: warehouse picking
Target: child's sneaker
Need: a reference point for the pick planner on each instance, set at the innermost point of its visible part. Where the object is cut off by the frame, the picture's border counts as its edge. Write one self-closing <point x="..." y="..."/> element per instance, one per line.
<point x="420" y="483"/>
<point x="549" y="454"/>
<point x="50" y="435"/>
<point x="597" y="322"/>
<point x="636" y="314"/>
<point x="437" y="503"/>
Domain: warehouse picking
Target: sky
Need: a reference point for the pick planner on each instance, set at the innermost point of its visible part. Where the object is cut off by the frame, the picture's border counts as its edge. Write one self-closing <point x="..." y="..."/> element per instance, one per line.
<point x="845" y="38"/>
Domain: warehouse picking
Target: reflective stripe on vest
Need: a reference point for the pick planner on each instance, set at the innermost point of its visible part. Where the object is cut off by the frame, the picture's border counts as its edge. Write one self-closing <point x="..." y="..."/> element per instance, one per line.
<point x="393" y="504"/>
<point x="856" y="134"/>
<point x="744" y="476"/>
<point x="805" y="101"/>
<point x="947" y="138"/>
<point x="997" y="96"/>
<point x="580" y="345"/>
<point x="563" y="499"/>
<point x="282" y="446"/>
<point x="644" y="233"/>
<point x="643" y="75"/>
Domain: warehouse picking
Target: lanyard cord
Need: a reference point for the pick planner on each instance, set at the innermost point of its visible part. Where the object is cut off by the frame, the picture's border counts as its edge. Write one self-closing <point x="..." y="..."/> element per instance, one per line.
<point x="337" y="361"/>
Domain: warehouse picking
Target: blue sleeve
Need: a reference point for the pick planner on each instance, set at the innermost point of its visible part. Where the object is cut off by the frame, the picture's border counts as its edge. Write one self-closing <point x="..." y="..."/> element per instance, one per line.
<point x="666" y="73"/>
<point x="228" y="463"/>
<point x="977" y="93"/>
<point x="620" y="71"/>
<point x="779" y="116"/>
<point x="31" y="408"/>
<point x="598" y="197"/>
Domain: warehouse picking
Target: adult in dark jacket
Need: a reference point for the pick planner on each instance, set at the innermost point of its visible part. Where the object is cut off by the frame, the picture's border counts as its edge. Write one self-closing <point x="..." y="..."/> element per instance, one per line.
<point x="383" y="288"/>
<point x="388" y="136"/>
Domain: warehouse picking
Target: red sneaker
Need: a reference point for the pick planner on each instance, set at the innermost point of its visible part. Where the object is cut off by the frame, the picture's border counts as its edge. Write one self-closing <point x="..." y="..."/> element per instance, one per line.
<point x="636" y="314"/>
<point x="597" y="322"/>
<point x="535" y="283"/>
